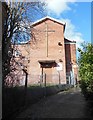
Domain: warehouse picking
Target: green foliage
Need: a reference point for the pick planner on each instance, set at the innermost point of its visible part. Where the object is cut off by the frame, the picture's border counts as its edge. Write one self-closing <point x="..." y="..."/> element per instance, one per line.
<point x="86" y="66"/>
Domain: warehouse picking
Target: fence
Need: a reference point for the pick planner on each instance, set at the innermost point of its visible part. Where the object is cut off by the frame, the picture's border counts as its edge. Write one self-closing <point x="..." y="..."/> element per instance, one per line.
<point x="70" y="78"/>
<point x="37" y="80"/>
<point x="44" y="80"/>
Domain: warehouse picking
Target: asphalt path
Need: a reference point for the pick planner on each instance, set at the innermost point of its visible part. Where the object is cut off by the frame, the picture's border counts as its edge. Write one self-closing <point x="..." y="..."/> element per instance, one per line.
<point x="67" y="104"/>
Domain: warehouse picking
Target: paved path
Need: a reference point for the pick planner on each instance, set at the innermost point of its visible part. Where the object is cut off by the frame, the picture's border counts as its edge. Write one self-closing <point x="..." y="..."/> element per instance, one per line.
<point x="70" y="104"/>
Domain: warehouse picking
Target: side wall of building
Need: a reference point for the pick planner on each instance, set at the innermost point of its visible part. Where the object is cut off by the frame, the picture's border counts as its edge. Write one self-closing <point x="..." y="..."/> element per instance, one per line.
<point x="71" y="62"/>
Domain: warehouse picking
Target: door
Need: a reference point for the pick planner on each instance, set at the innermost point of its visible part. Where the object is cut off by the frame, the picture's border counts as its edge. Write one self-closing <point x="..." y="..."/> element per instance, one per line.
<point x="48" y="75"/>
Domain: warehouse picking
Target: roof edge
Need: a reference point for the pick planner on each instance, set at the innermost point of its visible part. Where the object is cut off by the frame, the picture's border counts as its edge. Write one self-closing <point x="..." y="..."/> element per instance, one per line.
<point x="69" y="41"/>
<point x="47" y="17"/>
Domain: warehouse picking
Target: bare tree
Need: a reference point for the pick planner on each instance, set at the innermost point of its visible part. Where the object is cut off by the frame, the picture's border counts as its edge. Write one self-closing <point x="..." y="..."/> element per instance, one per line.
<point x="17" y="24"/>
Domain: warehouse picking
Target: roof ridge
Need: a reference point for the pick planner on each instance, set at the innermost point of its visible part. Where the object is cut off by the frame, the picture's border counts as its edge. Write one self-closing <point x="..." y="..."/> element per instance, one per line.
<point x="48" y="17"/>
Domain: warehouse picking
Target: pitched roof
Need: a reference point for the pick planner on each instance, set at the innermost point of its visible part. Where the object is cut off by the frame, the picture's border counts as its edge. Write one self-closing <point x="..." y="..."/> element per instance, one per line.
<point x="50" y="18"/>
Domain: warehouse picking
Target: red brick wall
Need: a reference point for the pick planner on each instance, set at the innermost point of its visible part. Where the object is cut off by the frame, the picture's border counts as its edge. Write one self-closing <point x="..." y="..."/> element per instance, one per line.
<point x="55" y="52"/>
<point x="37" y="50"/>
<point x="68" y="57"/>
<point x="71" y="64"/>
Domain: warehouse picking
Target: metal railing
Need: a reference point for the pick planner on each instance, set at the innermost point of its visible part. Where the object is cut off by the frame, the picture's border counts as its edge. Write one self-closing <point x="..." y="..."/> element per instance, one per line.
<point x="44" y="80"/>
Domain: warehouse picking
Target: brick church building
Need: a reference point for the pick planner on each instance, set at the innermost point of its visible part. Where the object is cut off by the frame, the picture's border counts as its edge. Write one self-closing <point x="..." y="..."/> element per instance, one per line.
<point x="51" y="57"/>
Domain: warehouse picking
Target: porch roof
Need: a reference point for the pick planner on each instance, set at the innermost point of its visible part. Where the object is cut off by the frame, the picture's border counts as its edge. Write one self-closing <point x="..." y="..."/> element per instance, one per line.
<point x="46" y="61"/>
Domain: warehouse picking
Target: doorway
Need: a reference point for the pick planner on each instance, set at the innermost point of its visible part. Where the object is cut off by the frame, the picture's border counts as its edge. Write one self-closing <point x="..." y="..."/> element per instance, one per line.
<point x="46" y="71"/>
<point x="48" y="75"/>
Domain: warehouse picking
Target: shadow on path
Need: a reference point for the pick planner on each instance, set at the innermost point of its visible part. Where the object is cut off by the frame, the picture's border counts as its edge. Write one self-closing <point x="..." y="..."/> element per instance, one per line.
<point x="67" y="104"/>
